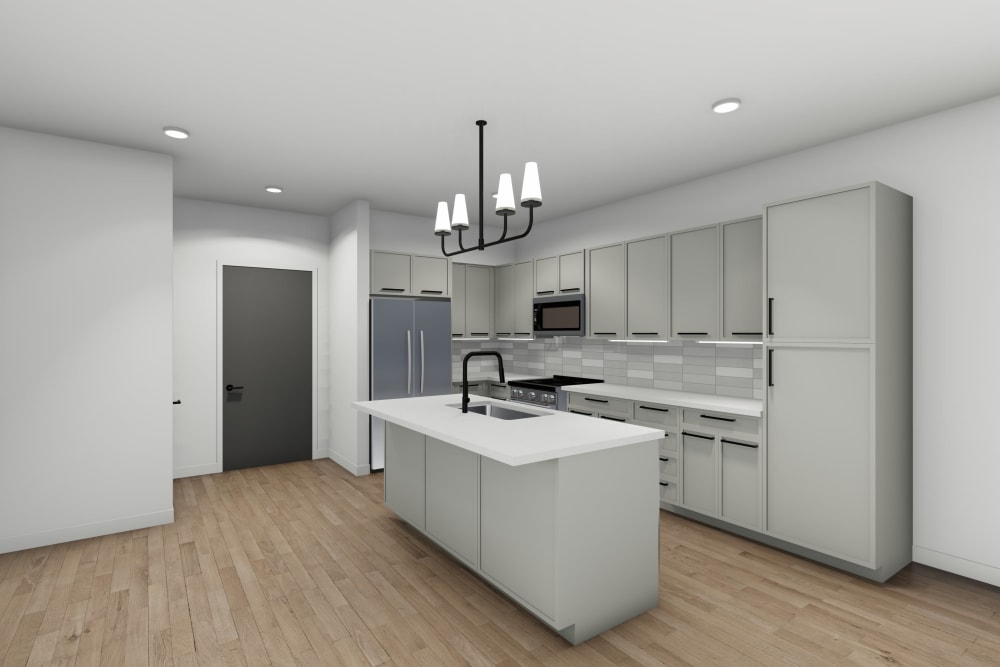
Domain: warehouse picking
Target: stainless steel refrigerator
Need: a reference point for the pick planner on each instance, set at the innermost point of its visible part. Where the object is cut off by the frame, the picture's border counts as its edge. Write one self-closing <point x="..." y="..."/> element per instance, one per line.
<point x="410" y="355"/>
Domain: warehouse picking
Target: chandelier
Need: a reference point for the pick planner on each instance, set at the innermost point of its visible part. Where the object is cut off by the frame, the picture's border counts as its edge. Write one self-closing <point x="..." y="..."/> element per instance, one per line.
<point x="531" y="198"/>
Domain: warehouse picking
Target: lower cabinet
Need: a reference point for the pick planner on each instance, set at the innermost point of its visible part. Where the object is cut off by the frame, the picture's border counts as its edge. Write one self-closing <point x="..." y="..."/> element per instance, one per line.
<point x="405" y="483"/>
<point x="740" y="481"/>
<point x="699" y="462"/>
<point x="452" y="498"/>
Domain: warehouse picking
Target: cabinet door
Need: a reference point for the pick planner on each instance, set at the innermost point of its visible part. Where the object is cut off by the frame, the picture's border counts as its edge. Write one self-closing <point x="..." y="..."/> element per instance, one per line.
<point x="740" y="482"/>
<point x="430" y="276"/>
<point x="607" y="291"/>
<point x="571" y="272"/>
<point x="506" y="300"/>
<point x="546" y="276"/>
<point x="647" y="288"/>
<point x="478" y="300"/>
<point x="390" y="273"/>
<point x="818" y="272"/>
<point x="819" y="455"/>
<point x="457" y="300"/>
<point x="524" y="289"/>
<point x="694" y="283"/>
<point x="404" y="473"/>
<point x="453" y="499"/>
<point x="518" y="529"/>
<point x="698" y="465"/>
<point x="742" y="279"/>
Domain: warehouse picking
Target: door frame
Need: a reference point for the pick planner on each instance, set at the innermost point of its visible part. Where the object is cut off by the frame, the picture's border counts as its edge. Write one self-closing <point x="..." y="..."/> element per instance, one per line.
<point x="219" y="406"/>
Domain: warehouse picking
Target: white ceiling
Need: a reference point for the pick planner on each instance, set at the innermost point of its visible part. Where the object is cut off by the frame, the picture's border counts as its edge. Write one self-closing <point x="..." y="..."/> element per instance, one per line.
<point x="378" y="100"/>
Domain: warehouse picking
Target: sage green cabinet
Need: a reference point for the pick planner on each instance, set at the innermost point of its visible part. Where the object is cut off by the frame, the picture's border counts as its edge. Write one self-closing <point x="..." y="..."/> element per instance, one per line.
<point x="646" y="262"/>
<point x="452" y="499"/>
<point x="606" y="291"/>
<point x="694" y="283"/>
<point x="514" y="293"/>
<point x="699" y="460"/>
<point x="471" y="300"/>
<point x="546" y="276"/>
<point x="390" y="272"/>
<point x="430" y="276"/>
<point x="739" y="468"/>
<point x="559" y="275"/>
<point x="742" y="279"/>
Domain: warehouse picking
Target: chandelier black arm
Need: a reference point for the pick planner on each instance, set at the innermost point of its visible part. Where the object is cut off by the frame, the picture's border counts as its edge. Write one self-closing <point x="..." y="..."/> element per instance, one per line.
<point x="531" y="221"/>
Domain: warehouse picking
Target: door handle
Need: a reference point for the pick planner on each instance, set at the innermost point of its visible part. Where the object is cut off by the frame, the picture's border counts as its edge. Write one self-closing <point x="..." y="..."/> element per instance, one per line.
<point x="177" y="402"/>
<point x="230" y="387"/>
<point x="409" y="363"/>
<point x="421" y="361"/>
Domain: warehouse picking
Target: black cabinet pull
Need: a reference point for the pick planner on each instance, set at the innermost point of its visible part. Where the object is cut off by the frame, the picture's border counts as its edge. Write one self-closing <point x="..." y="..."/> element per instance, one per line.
<point x="503" y="333"/>
<point x="664" y="458"/>
<point x="431" y="291"/>
<point x="391" y="289"/>
<point x="741" y="444"/>
<point x="614" y="419"/>
<point x="664" y="483"/>
<point x="721" y="419"/>
<point x="650" y="407"/>
<point x="692" y="333"/>
<point x="453" y="335"/>
<point x="548" y="291"/>
<point x="645" y="333"/>
<point x="230" y="387"/>
<point x="698" y="435"/>
<point x="570" y="289"/>
<point x="482" y="333"/>
<point x="770" y="311"/>
<point x="580" y="412"/>
<point x="594" y="400"/>
<point x="770" y="368"/>
<point x="177" y="402"/>
<point x="605" y="333"/>
<point x="747" y="333"/>
<point x="521" y="333"/>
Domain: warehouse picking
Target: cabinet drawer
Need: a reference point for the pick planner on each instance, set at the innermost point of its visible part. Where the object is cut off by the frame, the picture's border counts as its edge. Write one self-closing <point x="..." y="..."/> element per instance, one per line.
<point x="655" y="413"/>
<point x="617" y="407"/>
<point x="723" y="422"/>
<point x="668" y="468"/>
<point x="668" y="492"/>
<point x="668" y="443"/>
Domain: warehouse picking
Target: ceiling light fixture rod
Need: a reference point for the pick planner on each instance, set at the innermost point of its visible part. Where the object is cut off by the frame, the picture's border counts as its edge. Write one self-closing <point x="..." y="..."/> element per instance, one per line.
<point x="531" y="198"/>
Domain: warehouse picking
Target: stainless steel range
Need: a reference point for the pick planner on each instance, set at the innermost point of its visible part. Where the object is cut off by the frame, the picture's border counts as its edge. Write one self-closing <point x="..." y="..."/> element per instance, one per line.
<point x="545" y="392"/>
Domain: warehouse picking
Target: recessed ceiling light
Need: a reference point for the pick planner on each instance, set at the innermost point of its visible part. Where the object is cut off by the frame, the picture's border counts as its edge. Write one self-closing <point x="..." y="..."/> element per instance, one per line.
<point x="727" y="105"/>
<point x="274" y="189"/>
<point x="176" y="132"/>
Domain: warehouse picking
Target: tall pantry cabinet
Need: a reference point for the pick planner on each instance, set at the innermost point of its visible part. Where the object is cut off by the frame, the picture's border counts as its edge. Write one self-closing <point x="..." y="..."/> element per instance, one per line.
<point x="838" y="373"/>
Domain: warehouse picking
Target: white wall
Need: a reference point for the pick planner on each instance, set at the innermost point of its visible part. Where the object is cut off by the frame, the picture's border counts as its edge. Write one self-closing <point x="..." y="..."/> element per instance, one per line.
<point x="85" y="281"/>
<point x="205" y="234"/>
<point x="349" y="288"/>
<point x="948" y="162"/>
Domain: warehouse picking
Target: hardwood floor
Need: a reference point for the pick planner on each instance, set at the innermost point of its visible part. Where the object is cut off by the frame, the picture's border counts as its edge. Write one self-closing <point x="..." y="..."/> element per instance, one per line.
<point x="301" y="564"/>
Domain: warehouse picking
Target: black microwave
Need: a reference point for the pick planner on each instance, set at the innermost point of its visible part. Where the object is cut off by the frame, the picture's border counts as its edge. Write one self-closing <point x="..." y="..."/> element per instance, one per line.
<point x="559" y="316"/>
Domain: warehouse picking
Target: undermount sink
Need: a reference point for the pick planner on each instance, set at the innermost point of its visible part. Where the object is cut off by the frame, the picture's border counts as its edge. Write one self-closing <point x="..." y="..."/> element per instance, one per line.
<point x="499" y="411"/>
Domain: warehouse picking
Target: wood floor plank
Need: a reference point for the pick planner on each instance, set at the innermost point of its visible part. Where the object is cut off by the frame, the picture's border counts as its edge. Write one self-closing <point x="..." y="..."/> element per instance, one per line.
<point x="301" y="564"/>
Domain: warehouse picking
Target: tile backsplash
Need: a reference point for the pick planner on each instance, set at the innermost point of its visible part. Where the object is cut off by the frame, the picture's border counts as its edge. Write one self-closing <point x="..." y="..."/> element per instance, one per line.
<point x="725" y="370"/>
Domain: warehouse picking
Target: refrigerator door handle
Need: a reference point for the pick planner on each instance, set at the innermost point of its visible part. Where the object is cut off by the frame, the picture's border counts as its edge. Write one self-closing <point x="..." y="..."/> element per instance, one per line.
<point x="409" y="363"/>
<point x="421" y="361"/>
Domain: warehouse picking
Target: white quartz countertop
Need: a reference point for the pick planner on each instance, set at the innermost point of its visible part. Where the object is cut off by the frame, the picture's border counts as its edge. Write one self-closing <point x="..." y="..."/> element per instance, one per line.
<point x="492" y="376"/>
<point x="746" y="407"/>
<point x="513" y="442"/>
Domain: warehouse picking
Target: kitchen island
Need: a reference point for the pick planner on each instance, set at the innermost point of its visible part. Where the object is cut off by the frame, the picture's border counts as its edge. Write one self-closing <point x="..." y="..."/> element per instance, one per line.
<point x="557" y="511"/>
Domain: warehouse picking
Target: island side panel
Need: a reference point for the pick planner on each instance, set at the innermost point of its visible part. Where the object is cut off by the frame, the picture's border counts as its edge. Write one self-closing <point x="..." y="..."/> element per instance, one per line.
<point x="404" y="473"/>
<point x="452" y="505"/>
<point x="608" y="540"/>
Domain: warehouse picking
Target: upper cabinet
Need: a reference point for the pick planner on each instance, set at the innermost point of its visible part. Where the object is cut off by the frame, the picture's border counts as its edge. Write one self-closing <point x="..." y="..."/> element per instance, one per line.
<point x="514" y="289"/>
<point x="471" y="300"/>
<point x="559" y="275"/>
<point x="411" y="275"/>
<point x="819" y="259"/>
<point x="647" y="288"/>
<point x="606" y="291"/>
<point x="694" y="283"/>
<point x="742" y="279"/>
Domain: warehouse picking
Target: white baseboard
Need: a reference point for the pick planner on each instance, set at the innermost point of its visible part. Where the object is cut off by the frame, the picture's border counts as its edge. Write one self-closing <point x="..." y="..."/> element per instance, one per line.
<point x="191" y="471"/>
<point x="350" y="466"/>
<point x="989" y="574"/>
<point x="73" y="533"/>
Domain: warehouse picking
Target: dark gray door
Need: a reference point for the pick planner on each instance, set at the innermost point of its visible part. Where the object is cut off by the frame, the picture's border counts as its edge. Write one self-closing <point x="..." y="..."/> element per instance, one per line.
<point x="266" y="366"/>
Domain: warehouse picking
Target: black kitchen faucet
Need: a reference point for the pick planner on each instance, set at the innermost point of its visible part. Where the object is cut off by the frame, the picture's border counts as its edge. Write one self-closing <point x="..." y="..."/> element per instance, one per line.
<point x="465" y="373"/>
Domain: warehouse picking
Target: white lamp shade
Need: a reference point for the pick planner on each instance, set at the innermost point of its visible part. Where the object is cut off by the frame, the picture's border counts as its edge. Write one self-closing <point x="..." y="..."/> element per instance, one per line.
<point x="441" y="226"/>
<point x="460" y="214"/>
<point x="531" y="189"/>
<point x="505" y="195"/>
